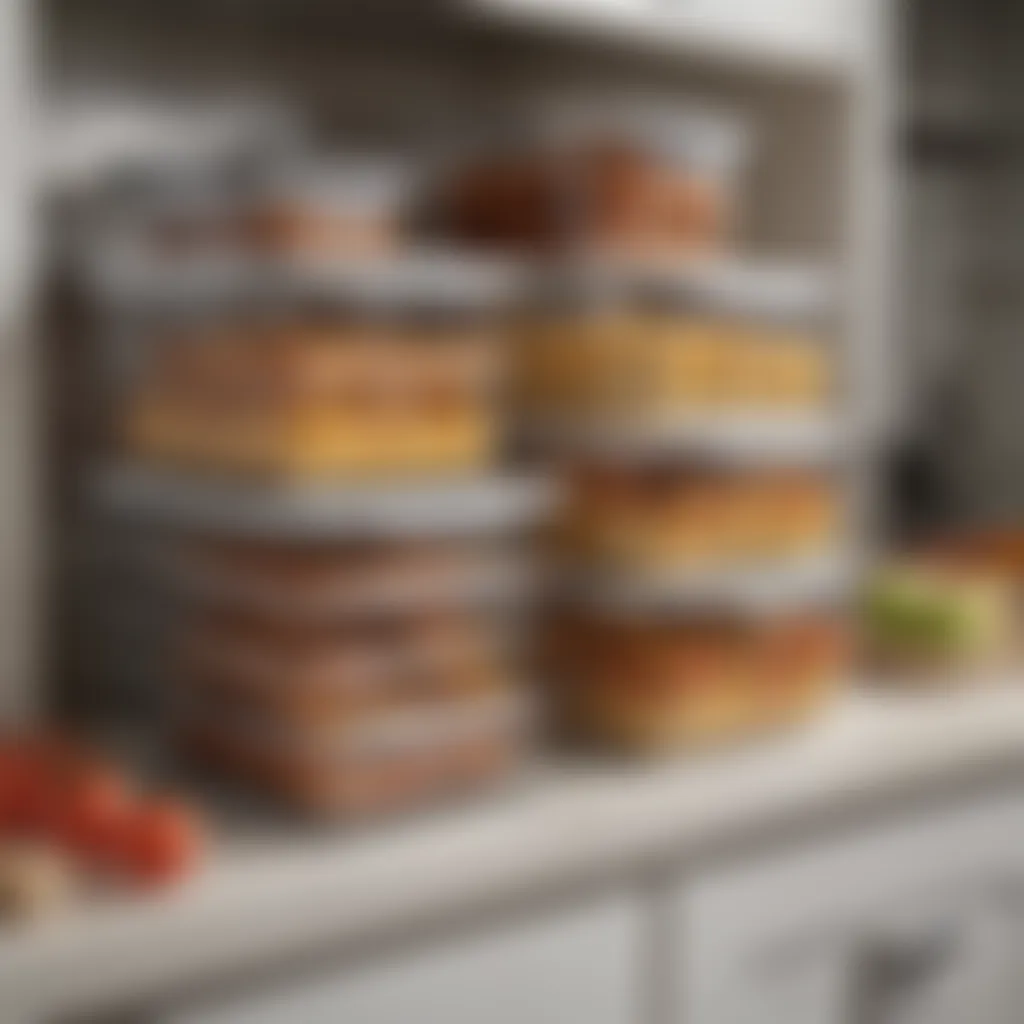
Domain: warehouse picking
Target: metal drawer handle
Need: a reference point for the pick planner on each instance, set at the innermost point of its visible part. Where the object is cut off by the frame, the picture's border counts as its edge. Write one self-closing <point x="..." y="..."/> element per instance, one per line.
<point x="889" y="969"/>
<point x="903" y="963"/>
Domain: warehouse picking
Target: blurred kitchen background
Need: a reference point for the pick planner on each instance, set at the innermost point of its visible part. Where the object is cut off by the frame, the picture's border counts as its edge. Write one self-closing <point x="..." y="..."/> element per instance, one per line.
<point x="512" y="512"/>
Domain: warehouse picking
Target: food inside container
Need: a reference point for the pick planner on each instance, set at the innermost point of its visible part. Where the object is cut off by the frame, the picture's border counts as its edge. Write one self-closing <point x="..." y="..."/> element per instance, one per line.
<point x="612" y="179"/>
<point x="352" y="207"/>
<point x="669" y="517"/>
<point x="317" y="580"/>
<point x="359" y="713"/>
<point x="322" y="391"/>
<point x="627" y="357"/>
<point x="393" y="759"/>
<point x="675" y="683"/>
<point x="939" y="620"/>
<point x="314" y="206"/>
<point x="319" y="672"/>
<point x="180" y="210"/>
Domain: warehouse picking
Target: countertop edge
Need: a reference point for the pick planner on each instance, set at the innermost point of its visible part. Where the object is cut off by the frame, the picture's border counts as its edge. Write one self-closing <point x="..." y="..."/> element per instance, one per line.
<point x="270" y="898"/>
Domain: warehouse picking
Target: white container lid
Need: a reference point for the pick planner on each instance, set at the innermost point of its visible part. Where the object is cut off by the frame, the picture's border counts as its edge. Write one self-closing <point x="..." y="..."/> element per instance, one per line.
<point x="123" y="275"/>
<point x="358" y="183"/>
<point x="709" y="140"/>
<point x="490" y="581"/>
<point x="459" y="505"/>
<point x="753" y="589"/>
<point x="739" y="438"/>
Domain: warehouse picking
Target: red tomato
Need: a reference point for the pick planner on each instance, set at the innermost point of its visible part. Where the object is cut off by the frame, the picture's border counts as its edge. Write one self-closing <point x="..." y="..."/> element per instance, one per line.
<point x="10" y="777"/>
<point x="162" y="841"/>
<point x="29" y="787"/>
<point x="90" y="811"/>
<point x="42" y="771"/>
<point x="49" y="768"/>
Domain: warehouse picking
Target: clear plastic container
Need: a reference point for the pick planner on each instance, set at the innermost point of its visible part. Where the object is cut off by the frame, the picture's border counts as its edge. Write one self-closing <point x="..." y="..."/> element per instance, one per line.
<point x="385" y="762"/>
<point x="324" y="580"/>
<point x="310" y="385"/>
<point x="318" y="670"/>
<point x="176" y="212"/>
<point x="662" y="350"/>
<point x="619" y="179"/>
<point x="671" y="517"/>
<point x="353" y="207"/>
<point x="670" y="683"/>
<point x="310" y="207"/>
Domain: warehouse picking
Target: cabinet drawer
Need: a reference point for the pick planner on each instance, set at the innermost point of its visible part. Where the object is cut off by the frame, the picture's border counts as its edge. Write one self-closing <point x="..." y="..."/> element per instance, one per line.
<point x="579" y="965"/>
<point x="755" y="941"/>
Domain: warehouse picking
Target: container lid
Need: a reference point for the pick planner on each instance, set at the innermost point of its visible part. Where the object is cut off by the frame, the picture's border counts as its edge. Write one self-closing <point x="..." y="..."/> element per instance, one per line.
<point x="702" y="136"/>
<point x="482" y="581"/>
<point x="710" y="140"/>
<point x="720" y="438"/>
<point x="580" y="290"/>
<point x="756" y="590"/>
<point x="760" y="290"/>
<point x="460" y="506"/>
<point x="352" y="183"/>
<point x="143" y="191"/>
<point x="426" y="283"/>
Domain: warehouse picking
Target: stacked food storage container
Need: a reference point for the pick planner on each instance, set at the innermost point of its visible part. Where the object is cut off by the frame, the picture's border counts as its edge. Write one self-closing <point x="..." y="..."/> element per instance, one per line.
<point x="317" y="415"/>
<point x="688" y="399"/>
<point x="319" y="411"/>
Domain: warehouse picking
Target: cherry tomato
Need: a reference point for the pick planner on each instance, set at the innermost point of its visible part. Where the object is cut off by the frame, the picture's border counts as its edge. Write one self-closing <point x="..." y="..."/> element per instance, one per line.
<point x="90" y="811"/>
<point x="42" y="769"/>
<point x="29" y="787"/>
<point x="162" y="841"/>
<point x="10" y="778"/>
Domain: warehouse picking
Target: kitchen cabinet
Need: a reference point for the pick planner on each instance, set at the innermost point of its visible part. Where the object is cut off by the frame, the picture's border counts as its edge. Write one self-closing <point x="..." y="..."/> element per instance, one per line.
<point x="959" y="966"/>
<point x="918" y="921"/>
<point x="716" y="892"/>
<point x="578" y="965"/>
<point x="914" y="923"/>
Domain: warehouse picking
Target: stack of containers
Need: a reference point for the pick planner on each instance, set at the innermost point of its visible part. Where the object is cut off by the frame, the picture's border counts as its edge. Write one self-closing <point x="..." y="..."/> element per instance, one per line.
<point x="688" y="401"/>
<point x="318" y="417"/>
<point x="701" y="531"/>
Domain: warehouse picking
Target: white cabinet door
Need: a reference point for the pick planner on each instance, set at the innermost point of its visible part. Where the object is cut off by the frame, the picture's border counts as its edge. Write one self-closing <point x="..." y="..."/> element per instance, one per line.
<point x="579" y="966"/>
<point x="963" y="967"/>
<point x="907" y="924"/>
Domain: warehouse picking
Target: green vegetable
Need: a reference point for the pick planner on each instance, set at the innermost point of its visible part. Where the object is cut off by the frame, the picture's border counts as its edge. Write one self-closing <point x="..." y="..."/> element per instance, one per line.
<point x="916" y="610"/>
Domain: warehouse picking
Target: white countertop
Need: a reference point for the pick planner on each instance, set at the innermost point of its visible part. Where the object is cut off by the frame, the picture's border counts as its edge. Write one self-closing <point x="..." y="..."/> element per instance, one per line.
<point x="267" y="895"/>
